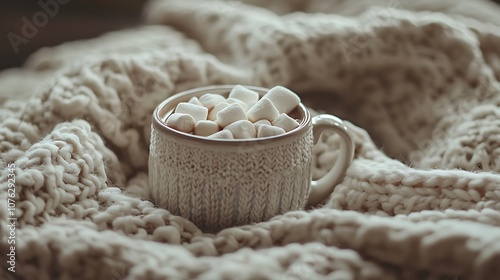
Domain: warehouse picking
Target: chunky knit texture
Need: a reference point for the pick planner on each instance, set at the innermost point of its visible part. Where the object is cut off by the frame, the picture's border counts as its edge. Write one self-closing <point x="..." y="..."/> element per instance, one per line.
<point x="420" y="201"/>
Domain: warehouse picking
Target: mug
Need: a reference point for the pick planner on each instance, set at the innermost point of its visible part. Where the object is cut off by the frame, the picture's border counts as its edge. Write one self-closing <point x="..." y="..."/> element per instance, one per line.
<point x="220" y="183"/>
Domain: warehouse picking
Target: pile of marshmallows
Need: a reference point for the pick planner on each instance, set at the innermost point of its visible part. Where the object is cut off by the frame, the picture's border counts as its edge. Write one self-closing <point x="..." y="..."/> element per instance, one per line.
<point x="240" y="116"/>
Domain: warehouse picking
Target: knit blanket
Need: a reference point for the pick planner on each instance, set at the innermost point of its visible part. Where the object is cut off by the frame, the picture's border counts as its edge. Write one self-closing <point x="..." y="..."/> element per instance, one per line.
<point x="417" y="82"/>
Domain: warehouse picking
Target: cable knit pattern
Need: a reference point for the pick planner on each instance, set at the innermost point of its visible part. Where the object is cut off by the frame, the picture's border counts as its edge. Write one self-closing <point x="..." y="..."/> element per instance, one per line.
<point x="418" y="81"/>
<point x="198" y="183"/>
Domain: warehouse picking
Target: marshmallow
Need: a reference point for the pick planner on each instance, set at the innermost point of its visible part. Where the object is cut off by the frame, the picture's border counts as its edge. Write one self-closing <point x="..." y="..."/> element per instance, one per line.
<point x="230" y="114"/>
<point x="246" y="95"/>
<point x="181" y="122"/>
<point x="223" y="134"/>
<point x="210" y="100"/>
<point x="194" y="100"/>
<point x="286" y="122"/>
<point x="267" y="130"/>
<point x="213" y="113"/>
<point x="237" y="101"/>
<point x="261" y="122"/>
<point x="196" y="111"/>
<point x="205" y="128"/>
<point x="242" y="129"/>
<point x="283" y="99"/>
<point x="264" y="109"/>
<point x="250" y="105"/>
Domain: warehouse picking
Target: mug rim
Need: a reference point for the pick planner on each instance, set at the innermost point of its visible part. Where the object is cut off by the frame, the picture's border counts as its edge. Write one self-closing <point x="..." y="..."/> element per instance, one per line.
<point x="185" y="95"/>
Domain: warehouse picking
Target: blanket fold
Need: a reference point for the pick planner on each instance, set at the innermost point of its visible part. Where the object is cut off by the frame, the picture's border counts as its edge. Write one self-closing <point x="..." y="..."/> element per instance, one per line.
<point x="417" y="83"/>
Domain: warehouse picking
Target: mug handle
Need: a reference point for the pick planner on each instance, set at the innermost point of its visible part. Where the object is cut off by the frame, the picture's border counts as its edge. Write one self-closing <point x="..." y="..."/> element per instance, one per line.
<point x="323" y="187"/>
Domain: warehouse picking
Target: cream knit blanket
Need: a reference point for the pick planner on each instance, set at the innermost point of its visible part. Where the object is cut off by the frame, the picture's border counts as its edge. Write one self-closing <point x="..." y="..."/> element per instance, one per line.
<point x="420" y="201"/>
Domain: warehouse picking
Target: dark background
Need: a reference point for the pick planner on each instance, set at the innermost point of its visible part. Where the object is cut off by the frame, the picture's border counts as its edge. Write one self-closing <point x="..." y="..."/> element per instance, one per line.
<point x="77" y="19"/>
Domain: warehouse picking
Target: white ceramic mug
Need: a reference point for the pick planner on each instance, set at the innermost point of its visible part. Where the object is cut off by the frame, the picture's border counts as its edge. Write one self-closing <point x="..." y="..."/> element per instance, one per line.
<point x="219" y="183"/>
